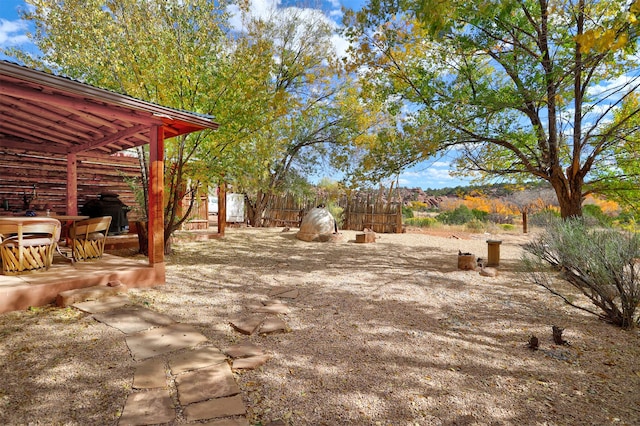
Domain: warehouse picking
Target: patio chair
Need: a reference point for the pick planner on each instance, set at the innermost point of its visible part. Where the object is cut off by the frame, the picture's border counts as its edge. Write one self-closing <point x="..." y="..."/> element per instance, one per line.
<point x="27" y="244"/>
<point x="88" y="237"/>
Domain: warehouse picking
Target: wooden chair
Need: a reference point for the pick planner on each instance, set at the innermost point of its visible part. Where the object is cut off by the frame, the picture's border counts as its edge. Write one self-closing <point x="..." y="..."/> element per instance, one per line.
<point x="88" y="237"/>
<point x="27" y="244"/>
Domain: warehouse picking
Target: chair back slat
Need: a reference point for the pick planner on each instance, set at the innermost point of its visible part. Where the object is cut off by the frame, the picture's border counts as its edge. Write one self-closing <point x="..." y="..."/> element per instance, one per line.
<point x="88" y="237"/>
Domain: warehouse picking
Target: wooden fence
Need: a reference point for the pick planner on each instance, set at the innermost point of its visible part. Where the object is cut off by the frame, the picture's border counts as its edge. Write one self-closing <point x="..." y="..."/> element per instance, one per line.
<point x="24" y="174"/>
<point x="287" y="210"/>
<point x="357" y="213"/>
<point x="376" y="215"/>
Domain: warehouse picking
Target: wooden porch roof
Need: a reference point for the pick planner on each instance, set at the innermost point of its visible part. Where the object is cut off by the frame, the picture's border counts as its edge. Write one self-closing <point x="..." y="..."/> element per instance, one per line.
<point x="41" y="112"/>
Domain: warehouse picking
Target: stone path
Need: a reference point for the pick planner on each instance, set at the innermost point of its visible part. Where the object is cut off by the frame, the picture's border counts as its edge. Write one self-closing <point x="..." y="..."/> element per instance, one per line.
<point x="179" y="373"/>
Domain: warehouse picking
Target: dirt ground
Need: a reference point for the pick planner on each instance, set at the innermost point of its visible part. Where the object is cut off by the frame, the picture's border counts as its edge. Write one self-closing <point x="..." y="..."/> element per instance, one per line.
<point x="387" y="333"/>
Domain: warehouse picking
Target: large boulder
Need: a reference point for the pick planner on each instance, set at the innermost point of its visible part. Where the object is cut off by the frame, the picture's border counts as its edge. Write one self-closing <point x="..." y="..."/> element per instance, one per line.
<point x="317" y="225"/>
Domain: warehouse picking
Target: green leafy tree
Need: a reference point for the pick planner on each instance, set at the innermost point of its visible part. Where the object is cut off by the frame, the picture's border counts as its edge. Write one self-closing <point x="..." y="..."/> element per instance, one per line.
<point x="308" y="116"/>
<point x="165" y="51"/>
<point x="517" y="89"/>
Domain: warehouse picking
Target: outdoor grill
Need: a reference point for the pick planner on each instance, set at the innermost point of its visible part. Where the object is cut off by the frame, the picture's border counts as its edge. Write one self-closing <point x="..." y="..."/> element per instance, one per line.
<point x="109" y="204"/>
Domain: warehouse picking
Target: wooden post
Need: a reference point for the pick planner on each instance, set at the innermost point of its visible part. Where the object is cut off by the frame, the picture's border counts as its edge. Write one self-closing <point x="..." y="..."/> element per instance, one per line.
<point x="222" y="208"/>
<point x="156" y="195"/>
<point x="72" y="185"/>
<point x="493" y="252"/>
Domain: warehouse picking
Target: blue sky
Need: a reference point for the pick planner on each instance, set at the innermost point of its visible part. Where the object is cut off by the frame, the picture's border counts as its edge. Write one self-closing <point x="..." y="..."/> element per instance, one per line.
<point x="434" y="174"/>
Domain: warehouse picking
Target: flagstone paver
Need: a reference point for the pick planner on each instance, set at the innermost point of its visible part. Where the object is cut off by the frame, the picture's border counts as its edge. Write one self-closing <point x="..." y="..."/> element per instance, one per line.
<point x="247" y="325"/>
<point x="202" y="377"/>
<point x="157" y="341"/>
<point x="147" y="408"/>
<point x="215" y="408"/>
<point x="197" y="358"/>
<point x="132" y="319"/>
<point x="206" y="383"/>
<point x="286" y="293"/>
<point x="242" y="421"/>
<point x="150" y="374"/>
<point x="243" y="350"/>
<point x="273" y="325"/>
<point x="270" y="308"/>
<point x="103" y="305"/>
<point x="251" y="362"/>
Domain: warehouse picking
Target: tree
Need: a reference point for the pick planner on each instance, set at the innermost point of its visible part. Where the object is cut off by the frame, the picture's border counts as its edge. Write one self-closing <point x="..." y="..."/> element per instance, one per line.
<point x="530" y="200"/>
<point x="163" y="51"/>
<point x="310" y="113"/>
<point x="516" y="88"/>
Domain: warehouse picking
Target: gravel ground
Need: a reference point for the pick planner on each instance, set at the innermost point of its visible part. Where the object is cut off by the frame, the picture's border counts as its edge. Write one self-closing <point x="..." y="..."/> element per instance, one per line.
<point x="389" y="333"/>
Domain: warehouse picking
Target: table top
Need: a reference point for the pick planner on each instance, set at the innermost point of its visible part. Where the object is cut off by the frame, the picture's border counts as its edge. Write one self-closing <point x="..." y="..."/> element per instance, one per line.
<point x="64" y="217"/>
<point x="24" y="219"/>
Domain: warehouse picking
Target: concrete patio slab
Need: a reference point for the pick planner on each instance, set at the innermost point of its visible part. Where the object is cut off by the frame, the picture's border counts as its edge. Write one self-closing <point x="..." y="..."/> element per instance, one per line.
<point x="157" y="341"/>
<point x="104" y="305"/>
<point x="243" y="350"/>
<point x="148" y="408"/>
<point x="215" y="408"/>
<point x="195" y="359"/>
<point x="150" y="374"/>
<point x="132" y="319"/>
<point x="207" y="383"/>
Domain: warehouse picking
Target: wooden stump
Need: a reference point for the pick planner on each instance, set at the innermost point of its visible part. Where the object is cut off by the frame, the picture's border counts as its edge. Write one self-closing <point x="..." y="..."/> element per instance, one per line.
<point x="467" y="262"/>
<point x="367" y="237"/>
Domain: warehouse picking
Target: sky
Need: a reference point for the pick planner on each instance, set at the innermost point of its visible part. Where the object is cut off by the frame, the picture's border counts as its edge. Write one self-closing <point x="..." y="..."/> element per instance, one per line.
<point x="433" y="174"/>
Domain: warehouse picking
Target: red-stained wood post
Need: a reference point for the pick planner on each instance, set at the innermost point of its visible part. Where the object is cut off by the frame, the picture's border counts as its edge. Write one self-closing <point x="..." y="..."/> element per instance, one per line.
<point x="72" y="185"/>
<point x="156" y="195"/>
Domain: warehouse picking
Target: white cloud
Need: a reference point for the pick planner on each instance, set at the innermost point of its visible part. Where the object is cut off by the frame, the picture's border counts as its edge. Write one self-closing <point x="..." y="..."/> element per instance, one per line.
<point x="610" y="87"/>
<point x="265" y="8"/>
<point x="13" y="33"/>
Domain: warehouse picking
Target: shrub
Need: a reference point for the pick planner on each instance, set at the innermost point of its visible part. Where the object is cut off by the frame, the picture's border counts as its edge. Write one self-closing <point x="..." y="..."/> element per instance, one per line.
<point x="422" y="222"/>
<point x="544" y="218"/>
<point x="594" y="216"/>
<point x="507" y="226"/>
<point x="407" y="212"/>
<point x="601" y="264"/>
<point x="475" y="225"/>
<point x="336" y="211"/>
<point x="461" y="215"/>
<point x="458" y="216"/>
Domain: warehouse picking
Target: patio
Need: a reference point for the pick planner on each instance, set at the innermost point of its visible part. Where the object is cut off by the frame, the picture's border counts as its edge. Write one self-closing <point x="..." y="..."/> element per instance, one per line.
<point x="62" y="141"/>
<point x="19" y="292"/>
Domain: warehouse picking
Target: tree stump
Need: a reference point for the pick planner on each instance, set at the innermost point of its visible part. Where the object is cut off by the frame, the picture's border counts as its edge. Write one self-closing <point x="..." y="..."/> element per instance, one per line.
<point x="467" y="262"/>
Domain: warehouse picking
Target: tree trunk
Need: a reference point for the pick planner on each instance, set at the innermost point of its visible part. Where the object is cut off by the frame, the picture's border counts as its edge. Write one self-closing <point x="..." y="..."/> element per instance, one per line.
<point x="525" y="227"/>
<point x="256" y="211"/>
<point x="569" y="194"/>
<point x="143" y="237"/>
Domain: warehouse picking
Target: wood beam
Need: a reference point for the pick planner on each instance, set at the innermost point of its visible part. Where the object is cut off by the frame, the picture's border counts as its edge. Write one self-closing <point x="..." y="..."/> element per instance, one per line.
<point x="109" y="139"/>
<point x="78" y="104"/>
